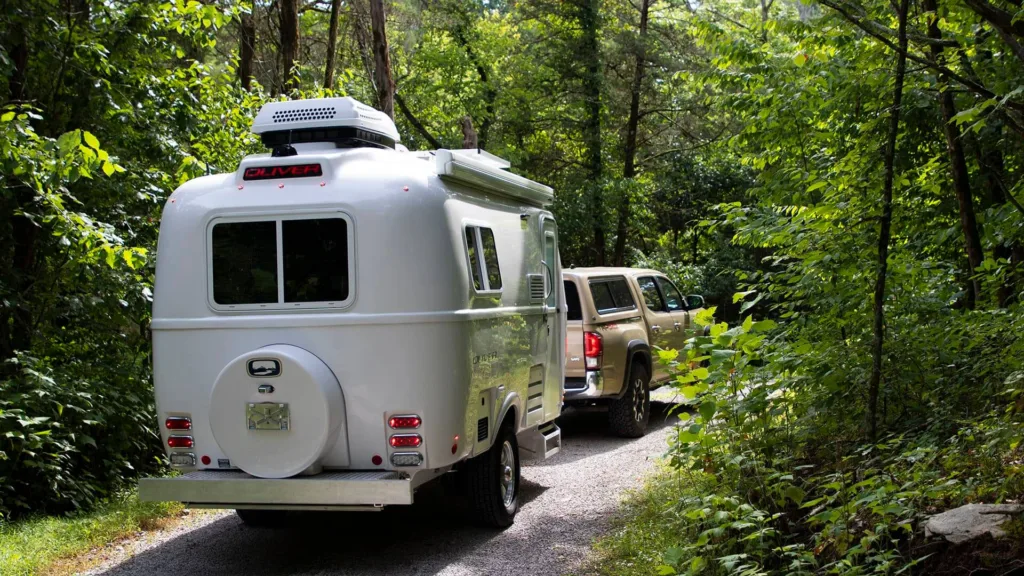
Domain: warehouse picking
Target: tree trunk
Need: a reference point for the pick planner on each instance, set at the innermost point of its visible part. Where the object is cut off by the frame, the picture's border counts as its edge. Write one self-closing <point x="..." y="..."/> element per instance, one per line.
<point x="885" y="230"/>
<point x="19" y="58"/>
<point x="470" y="139"/>
<point x="289" y="44"/>
<point x="381" y="60"/>
<point x="992" y="168"/>
<point x="957" y="162"/>
<point x="629" y="164"/>
<point x="332" y="44"/>
<point x="246" y="50"/>
<point x="589" y="15"/>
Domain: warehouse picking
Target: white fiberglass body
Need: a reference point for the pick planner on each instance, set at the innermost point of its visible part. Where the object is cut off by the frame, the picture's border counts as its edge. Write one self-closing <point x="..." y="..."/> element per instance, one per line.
<point x="430" y="290"/>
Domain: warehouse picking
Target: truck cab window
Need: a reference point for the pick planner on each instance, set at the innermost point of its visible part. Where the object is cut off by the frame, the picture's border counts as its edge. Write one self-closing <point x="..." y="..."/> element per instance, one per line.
<point x="611" y="295"/>
<point x="674" y="301"/>
<point x="483" y="258"/>
<point x="652" y="298"/>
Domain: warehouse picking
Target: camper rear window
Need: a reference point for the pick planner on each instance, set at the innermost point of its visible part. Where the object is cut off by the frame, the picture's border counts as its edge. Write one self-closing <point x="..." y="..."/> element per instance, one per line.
<point x="313" y="260"/>
<point x="611" y="295"/>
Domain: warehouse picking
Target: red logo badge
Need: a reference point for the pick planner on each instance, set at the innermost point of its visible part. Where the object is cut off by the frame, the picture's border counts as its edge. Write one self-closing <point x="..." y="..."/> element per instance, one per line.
<point x="274" y="172"/>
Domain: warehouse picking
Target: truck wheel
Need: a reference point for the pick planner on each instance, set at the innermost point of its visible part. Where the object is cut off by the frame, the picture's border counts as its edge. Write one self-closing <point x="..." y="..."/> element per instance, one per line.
<point x="628" y="415"/>
<point x="493" y="481"/>
<point x="261" y="518"/>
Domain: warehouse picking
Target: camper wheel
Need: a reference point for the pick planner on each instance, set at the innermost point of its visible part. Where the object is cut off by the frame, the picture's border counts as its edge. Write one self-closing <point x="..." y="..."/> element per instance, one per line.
<point x="493" y="480"/>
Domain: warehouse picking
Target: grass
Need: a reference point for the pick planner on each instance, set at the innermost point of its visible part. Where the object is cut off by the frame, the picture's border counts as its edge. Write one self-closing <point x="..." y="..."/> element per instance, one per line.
<point x="52" y="545"/>
<point x="644" y="531"/>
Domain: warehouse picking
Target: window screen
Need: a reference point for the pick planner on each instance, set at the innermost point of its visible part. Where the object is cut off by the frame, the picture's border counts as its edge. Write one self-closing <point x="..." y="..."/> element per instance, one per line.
<point x="245" y="263"/>
<point x="651" y="295"/>
<point x="315" y="260"/>
<point x="572" y="302"/>
<point x="611" y="295"/>
<point x="673" y="300"/>
<point x="490" y="258"/>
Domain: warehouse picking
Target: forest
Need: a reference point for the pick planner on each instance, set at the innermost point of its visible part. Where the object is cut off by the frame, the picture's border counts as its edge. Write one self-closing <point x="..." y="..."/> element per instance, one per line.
<point x="842" y="179"/>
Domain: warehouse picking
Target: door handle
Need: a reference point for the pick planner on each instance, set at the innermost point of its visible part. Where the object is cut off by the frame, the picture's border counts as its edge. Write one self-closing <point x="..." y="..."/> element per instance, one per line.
<point x="655" y="328"/>
<point x="676" y="325"/>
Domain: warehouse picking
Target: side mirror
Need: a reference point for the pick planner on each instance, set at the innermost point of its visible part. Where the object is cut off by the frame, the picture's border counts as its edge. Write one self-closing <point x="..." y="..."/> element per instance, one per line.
<point x="695" y="301"/>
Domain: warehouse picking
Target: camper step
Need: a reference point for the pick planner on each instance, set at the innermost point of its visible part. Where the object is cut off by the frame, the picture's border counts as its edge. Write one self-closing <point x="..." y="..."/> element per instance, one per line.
<point x="540" y="443"/>
<point x="232" y="488"/>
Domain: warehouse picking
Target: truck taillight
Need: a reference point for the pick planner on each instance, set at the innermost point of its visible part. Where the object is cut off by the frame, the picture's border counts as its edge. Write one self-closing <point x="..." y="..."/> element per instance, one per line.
<point x="592" y="350"/>
<point x="180" y="441"/>
<point x="405" y="421"/>
<point x="178" y="423"/>
<point x="405" y="440"/>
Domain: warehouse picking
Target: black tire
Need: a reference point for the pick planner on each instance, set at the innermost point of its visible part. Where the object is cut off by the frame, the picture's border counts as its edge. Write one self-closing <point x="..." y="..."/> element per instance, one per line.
<point x="487" y="481"/>
<point x="262" y="518"/>
<point x="628" y="416"/>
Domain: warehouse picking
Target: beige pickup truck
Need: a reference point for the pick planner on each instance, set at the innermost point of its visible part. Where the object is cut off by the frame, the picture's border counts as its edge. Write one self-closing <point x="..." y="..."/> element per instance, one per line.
<point x="615" y="319"/>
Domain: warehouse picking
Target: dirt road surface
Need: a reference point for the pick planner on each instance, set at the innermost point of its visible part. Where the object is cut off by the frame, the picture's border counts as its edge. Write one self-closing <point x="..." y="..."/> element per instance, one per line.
<point x="568" y="500"/>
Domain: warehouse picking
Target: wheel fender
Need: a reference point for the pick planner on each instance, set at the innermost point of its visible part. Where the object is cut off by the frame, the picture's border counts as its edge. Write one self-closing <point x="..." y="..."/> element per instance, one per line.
<point x="636" y="350"/>
<point x="511" y="403"/>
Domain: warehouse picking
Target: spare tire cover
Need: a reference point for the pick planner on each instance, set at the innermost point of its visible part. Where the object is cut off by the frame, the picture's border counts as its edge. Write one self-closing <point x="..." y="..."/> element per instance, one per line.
<point x="284" y="380"/>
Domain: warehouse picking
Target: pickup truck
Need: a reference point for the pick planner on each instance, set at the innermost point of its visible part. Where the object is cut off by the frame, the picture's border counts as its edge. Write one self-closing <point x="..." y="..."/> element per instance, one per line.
<point x="615" y="319"/>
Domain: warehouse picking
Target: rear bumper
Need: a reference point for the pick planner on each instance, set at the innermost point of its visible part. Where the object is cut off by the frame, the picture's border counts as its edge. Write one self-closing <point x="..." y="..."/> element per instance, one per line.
<point x="593" y="387"/>
<point x="235" y="489"/>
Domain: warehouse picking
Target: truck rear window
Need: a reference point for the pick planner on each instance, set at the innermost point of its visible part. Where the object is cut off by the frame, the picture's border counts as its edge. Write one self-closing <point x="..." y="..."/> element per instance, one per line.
<point x="313" y="259"/>
<point x="611" y="295"/>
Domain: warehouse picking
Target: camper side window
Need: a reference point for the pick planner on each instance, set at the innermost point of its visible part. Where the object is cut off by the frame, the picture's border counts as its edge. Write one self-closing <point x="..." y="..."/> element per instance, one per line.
<point x="483" y="259"/>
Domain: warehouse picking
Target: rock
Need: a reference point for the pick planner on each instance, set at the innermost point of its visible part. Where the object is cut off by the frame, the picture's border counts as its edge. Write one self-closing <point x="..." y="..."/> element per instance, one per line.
<point x="971" y="521"/>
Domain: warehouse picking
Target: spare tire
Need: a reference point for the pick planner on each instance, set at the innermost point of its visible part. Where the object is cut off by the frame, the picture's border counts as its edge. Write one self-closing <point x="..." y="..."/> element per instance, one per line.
<point x="276" y="411"/>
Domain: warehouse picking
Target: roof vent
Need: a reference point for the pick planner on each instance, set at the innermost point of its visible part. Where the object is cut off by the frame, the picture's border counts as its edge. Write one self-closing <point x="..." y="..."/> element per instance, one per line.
<point x="344" y="121"/>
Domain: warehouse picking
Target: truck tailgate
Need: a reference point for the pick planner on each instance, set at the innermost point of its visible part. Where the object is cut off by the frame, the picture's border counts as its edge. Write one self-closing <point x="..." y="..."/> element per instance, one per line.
<point x="574" y="363"/>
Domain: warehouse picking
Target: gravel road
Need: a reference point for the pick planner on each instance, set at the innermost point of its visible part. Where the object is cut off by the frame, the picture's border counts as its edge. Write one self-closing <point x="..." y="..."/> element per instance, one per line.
<point x="568" y="501"/>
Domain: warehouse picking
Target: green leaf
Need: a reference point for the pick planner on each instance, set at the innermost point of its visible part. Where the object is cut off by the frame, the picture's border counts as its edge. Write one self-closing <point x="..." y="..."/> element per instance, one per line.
<point x="7" y="117"/>
<point x="108" y="168"/>
<point x="708" y="409"/>
<point x="91" y="140"/>
<point x="800" y="59"/>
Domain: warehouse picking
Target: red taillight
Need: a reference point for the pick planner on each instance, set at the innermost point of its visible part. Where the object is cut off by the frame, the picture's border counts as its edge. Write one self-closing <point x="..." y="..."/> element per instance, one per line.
<point x="405" y="440"/>
<point x="178" y="423"/>
<point x="410" y="421"/>
<point x="180" y="441"/>
<point x="592" y="349"/>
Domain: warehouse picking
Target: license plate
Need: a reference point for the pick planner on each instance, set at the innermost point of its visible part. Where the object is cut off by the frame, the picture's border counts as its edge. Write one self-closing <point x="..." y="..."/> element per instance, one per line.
<point x="267" y="416"/>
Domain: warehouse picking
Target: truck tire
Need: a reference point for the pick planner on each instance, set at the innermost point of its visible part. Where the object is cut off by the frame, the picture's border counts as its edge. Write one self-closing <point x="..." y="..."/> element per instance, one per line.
<point x="628" y="415"/>
<point x="492" y="481"/>
<point x="261" y="518"/>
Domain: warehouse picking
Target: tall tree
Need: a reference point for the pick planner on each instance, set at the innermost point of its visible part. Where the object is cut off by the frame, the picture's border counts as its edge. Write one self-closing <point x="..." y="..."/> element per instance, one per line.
<point x="632" y="125"/>
<point x="589" y="14"/>
<point x="246" y="49"/>
<point x="957" y="158"/>
<point x="289" y="44"/>
<point x="332" y="44"/>
<point x="885" y="224"/>
<point x="382" y="78"/>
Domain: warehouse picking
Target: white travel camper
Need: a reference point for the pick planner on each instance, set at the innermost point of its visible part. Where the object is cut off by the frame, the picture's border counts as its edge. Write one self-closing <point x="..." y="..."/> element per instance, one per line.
<point x="341" y="320"/>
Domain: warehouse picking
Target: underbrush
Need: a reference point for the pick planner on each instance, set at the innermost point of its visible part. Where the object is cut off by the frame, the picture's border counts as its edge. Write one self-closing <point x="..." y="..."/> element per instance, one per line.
<point x="770" y="472"/>
<point x="41" y="544"/>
